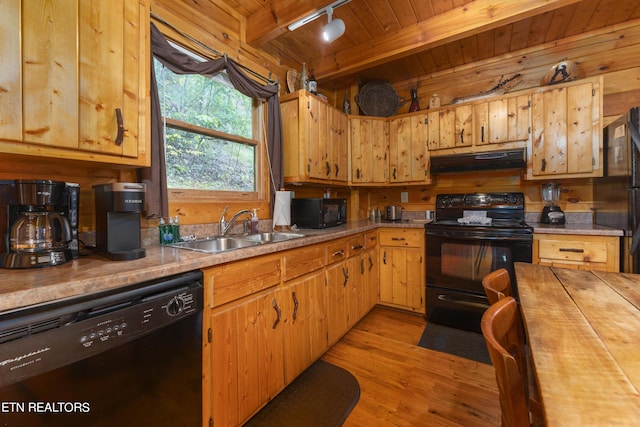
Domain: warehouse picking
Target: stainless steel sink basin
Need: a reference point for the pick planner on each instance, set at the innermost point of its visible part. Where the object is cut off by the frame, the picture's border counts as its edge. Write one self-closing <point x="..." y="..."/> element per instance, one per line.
<point x="271" y="237"/>
<point x="223" y="244"/>
<point x="219" y="244"/>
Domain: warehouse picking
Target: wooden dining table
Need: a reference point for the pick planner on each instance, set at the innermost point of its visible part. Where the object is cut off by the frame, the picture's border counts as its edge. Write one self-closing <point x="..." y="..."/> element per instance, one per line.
<point x="583" y="332"/>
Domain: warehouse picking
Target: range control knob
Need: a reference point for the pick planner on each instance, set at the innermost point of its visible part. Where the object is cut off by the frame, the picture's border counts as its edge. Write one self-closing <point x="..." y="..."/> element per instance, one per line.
<point x="175" y="306"/>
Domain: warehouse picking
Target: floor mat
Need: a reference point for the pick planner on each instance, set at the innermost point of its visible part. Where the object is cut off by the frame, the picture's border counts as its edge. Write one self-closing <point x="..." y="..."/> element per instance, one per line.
<point x="323" y="395"/>
<point x="470" y="345"/>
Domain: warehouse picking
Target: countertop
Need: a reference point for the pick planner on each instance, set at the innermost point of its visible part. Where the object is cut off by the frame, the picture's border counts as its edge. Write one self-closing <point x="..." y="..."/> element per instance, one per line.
<point x="85" y="275"/>
<point x="575" y="228"/>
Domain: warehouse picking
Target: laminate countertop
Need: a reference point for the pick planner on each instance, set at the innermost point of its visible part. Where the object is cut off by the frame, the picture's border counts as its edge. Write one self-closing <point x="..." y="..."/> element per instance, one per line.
<point x="575" y="228"/>
<point x="95" y="273"/>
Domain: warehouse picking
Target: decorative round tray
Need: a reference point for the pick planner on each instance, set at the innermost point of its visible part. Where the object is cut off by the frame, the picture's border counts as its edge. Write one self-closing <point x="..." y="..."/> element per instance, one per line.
<point x="378" y="99"/>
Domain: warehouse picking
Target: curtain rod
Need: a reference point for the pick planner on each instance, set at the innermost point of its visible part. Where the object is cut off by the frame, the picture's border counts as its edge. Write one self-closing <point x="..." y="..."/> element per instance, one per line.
<point x="211" y="50"/>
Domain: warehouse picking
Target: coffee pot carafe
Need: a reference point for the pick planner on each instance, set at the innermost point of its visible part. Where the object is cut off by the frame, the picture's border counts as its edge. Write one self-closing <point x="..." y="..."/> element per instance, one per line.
<point x="40" y="231"/>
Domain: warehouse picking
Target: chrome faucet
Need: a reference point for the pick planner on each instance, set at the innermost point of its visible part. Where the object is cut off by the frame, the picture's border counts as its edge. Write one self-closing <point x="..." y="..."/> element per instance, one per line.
<point x="224" y="225"/>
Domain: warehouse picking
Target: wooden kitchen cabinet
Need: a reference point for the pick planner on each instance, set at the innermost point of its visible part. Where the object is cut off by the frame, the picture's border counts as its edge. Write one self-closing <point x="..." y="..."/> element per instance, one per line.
<point x="503" y="120"/>
<point x="582" y="252"/>
<point x="408" y="149"/>
<point x="245" y="358"/>
<point x="566" y="131"/>
<point x="402" y="269"/>
<point x="74" y="71"/>
<point x="314" y="140"/>
<point x="305" y="310"/>
<point x="451" y="127"/>
<point x="369" y="141"/>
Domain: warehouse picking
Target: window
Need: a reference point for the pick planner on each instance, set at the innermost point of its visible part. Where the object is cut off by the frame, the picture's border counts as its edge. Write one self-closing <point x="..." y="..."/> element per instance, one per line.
<point x="209" y="133"/>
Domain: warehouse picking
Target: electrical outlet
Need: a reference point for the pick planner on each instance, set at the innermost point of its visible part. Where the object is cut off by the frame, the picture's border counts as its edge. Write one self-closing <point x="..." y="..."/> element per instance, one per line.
<point x="404" y="197"/>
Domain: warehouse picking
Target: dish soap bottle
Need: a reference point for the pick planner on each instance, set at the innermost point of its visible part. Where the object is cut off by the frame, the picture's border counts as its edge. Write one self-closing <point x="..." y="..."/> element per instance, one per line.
<point x="176" y="230"/>
<point x="255" y="222"/>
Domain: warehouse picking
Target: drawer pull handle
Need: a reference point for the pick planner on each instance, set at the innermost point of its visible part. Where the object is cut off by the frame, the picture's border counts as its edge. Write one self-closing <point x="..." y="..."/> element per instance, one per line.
<point x="278" y="312"/>
<point x="576" y="250"/>
<point x="357" y="247"/>
<point x="338" y="253"/>
<point x="399" y="239"/>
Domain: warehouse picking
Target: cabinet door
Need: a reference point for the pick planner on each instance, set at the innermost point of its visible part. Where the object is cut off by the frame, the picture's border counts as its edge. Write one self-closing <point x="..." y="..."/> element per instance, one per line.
<point x="402" y="278"/>
<point x="408" y="148"/>
<point x="337" y="308"/>
<point x="371" y="281"/>
<point x="338" y="145"/>
<point x="455" y="127"/>
<point x="566" y="135"/>
<point x="260" y="335"/>
<point x="305" y="323"/>
<point x="79" y="80"/>
<point x="112" y="74"/>
<point x="316" y="131"/>
<point x="50" y="72"/>
<point x="369" y="150"/>
<point x="502" y="120"/>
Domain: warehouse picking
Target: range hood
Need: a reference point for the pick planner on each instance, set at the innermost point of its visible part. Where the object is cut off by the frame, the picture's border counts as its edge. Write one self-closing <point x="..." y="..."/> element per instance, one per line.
<point x="494" y="160"/>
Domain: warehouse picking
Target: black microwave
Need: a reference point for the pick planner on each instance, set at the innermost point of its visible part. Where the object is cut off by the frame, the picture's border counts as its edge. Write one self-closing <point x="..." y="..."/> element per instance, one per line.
<point x="318" y="213"/>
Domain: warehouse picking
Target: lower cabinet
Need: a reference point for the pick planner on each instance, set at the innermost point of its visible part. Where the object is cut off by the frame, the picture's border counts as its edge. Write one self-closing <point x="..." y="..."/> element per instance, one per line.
<point x="305" y="320"/>
<point x="581" y="252"/>
<point x="268" y="318"/>
<point x="402" y="268"/>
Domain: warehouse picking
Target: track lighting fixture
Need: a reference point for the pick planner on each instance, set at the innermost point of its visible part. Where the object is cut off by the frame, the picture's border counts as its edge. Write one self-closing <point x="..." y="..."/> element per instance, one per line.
<point x="333" y="29"/>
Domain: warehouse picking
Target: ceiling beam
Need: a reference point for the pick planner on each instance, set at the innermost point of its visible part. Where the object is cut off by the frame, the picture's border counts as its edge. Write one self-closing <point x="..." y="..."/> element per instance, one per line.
<point x="271" y="21"/>
<point x="456" y="24"/>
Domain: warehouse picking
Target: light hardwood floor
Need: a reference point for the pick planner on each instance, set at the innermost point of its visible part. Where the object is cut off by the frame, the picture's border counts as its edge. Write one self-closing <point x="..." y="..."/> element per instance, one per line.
<point x="402" y="384"/>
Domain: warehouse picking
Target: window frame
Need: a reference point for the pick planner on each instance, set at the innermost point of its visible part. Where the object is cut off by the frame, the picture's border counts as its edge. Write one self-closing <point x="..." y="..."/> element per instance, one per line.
<point x="186" y="195"/>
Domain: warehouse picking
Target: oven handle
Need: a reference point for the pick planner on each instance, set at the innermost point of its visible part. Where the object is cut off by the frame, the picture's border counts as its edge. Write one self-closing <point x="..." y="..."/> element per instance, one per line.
<point x="447" y="298"/>
<point x="464" y="236"/>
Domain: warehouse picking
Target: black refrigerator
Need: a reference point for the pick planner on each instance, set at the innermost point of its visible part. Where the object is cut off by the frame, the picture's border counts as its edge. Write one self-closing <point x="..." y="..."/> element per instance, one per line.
<point x="617" y="193"/>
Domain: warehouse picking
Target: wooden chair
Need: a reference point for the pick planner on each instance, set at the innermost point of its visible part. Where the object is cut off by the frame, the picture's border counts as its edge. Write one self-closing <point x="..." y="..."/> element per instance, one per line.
<point x="502" y="329"/>
<point x="497" y="285"/>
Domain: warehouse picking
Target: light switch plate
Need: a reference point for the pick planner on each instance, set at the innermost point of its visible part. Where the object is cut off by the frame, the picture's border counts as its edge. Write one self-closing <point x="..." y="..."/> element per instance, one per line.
<point x="404" y="197"/>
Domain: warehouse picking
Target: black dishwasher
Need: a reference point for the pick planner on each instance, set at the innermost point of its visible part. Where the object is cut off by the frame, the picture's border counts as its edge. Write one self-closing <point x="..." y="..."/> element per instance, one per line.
<point x="126" y="357"/>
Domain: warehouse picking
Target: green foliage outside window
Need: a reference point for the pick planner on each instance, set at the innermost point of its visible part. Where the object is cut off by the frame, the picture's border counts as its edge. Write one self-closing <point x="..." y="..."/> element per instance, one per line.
<point x="197" y="158"/>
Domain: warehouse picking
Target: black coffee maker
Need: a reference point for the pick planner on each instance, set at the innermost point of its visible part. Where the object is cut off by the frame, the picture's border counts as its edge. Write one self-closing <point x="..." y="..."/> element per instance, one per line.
<point x="38" y="223"/>
<point x="118" y="208"/>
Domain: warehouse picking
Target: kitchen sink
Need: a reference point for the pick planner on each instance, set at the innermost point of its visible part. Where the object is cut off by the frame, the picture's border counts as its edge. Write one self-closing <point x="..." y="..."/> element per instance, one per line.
<point x="214" y="245"/>
<point x="271" y="237"/>
<point x="223" y="244"/>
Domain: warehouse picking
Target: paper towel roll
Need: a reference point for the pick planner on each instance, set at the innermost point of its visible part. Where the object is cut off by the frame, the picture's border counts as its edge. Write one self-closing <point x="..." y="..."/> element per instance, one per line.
<point x="282" y="209"/>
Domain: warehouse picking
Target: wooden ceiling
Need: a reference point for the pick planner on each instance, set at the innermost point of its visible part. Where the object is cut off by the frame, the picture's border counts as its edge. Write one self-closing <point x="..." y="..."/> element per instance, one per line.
<point x="405" y="40"/>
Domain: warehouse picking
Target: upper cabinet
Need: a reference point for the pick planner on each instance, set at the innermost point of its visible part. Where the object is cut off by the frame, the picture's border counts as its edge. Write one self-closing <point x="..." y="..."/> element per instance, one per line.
<point x="369" y="141"/>
<point x="502" y="120"/>
<point x="408" y="149"/>
<point x="76" y="80"/>
<point x="567" y="131"/>
<point x="451" y="127"/>
<point x="314" y="140"/>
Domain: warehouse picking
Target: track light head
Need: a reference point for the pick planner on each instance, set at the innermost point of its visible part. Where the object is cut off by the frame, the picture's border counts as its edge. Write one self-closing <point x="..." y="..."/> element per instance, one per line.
<point x="333" y="29"/>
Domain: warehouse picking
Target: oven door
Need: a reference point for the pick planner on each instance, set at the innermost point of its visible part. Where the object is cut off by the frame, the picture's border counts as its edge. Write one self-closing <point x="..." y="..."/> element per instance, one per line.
<point x="457" y="259"/>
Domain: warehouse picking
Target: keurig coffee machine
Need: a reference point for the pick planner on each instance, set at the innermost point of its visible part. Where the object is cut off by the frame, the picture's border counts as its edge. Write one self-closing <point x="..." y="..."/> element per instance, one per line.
<point x="38" y="223"/>
<point x="118" y="208"/>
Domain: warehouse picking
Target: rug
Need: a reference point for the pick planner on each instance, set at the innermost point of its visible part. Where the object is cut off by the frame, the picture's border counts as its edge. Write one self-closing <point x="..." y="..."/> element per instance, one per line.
<point x="470" y="345"/>
<point x="323" y="395"/>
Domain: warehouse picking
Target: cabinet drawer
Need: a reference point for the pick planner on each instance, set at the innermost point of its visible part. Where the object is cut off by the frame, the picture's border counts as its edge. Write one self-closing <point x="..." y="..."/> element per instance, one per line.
<point x="573" y="250"/>
<point x="336" y="251"/>
<point x="355" y="245"/>
<point x="401" y="237"/>
<point x="301" y="261"/>
<point x="236" y="280"/>
<point x="371" y="239"/>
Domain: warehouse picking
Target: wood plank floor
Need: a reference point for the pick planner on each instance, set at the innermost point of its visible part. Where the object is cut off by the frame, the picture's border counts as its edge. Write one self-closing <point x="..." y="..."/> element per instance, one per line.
<point x="402" y="384"/>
